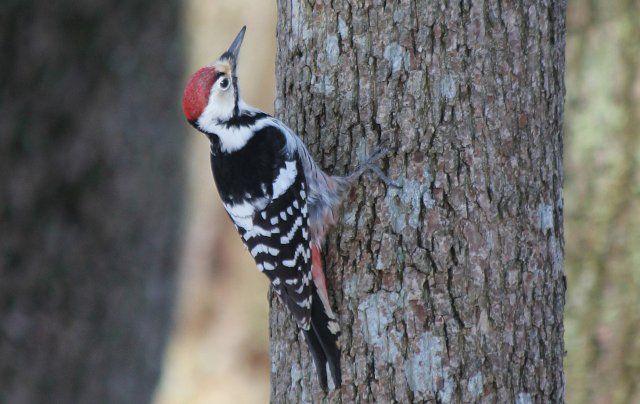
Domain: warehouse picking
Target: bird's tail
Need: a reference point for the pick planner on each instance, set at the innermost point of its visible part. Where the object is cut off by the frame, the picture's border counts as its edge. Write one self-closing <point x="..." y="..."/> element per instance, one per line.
<point x="322" y="338"/>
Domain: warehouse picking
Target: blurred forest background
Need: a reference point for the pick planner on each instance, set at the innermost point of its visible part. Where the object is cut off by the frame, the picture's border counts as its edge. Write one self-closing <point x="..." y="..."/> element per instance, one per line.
<point x="217" y="350"/>
<point x="602" y="195"/>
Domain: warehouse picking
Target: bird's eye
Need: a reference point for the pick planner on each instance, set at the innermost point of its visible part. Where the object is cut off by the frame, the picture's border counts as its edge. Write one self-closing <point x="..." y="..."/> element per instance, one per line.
<point x="224" y="83"/>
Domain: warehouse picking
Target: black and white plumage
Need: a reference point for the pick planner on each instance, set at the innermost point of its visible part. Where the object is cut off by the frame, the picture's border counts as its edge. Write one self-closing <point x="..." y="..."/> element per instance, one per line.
<point x="270" y="212"/>
<point x="280" y="201"/>
<point x="264" y="189"/>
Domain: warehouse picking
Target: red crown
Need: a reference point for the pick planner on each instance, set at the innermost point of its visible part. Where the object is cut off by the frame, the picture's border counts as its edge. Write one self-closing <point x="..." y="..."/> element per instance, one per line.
<point x="196" y="94"/>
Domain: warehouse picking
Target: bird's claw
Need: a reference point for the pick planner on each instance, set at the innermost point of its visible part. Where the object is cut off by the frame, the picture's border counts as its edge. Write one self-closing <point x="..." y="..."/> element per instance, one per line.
<point x="383" y="177"/>
<point x="383" y="150"/>
<point x="371" y="164"/>
<point x="377" y="155"/>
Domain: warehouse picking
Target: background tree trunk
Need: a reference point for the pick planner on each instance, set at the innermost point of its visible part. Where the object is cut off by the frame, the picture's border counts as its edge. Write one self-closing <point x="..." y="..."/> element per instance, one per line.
<point x="602" y="145"/>
<point x="90" y="197"/>
<point x="452" y="288"/>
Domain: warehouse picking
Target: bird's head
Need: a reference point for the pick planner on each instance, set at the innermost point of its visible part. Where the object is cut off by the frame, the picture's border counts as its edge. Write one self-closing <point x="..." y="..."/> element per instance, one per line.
<point x="211" y="95"/>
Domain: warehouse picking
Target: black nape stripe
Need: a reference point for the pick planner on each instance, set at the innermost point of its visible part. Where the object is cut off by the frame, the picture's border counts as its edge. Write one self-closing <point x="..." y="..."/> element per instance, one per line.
<point x="244" y="119"/>
<point x="236" y="109"/>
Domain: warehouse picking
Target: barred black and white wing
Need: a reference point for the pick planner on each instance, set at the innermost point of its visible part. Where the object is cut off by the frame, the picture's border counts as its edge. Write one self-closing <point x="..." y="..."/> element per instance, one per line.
<point x="278" y="240"/>
<point x="272" y="217"/>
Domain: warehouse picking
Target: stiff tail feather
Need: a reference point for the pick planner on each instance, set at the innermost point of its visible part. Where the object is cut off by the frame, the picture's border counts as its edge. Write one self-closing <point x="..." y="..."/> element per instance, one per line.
<point x="322" y="338"/>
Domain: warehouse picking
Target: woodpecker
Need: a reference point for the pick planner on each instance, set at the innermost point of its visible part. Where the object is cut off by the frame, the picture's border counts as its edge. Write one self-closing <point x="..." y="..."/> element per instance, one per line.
<point x="280" y="201"/>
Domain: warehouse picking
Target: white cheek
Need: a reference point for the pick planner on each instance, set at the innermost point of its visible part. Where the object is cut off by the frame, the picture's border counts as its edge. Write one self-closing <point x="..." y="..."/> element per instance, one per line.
<point x="220" y="107"/>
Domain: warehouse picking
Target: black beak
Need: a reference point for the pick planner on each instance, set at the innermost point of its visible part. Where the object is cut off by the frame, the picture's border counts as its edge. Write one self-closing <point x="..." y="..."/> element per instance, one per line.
<point x="234" y="50"/>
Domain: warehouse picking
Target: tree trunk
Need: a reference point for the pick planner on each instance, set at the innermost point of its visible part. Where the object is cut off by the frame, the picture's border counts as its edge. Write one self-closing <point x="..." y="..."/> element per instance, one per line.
<point x="452" y="288"/>
<point x="90" y="198"/>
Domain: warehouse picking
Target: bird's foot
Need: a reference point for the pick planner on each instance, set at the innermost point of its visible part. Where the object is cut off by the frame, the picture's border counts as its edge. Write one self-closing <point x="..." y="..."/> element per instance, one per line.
<point x="372" y="165"/>
<point x="383" y="177"/>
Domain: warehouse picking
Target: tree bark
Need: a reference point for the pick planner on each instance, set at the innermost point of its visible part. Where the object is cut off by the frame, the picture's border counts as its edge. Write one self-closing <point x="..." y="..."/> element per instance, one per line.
<point x="452" y="288"/>
<point x="90" y="197"/>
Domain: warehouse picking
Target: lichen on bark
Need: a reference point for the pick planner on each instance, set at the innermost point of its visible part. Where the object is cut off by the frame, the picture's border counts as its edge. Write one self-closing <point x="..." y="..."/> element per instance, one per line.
<point x="451" y="288"/>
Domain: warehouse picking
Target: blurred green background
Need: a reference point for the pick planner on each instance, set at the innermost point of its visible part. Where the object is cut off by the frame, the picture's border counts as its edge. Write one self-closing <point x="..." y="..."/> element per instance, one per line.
<point x="602" y="217"/>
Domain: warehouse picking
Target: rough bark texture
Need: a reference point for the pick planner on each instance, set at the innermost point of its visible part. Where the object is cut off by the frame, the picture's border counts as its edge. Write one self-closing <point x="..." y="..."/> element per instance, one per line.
<point x="452" y="288"/>
<point x="90" y="198"/>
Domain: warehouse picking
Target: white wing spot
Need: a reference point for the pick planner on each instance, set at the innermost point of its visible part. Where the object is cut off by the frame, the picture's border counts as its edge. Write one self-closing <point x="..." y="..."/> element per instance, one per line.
<point x="287" y="239"/>
<point x="292" y="262"/>
<point x="268" y="266"/>
<point x="333" y="327"/>
<point x="305" y="303"/>
<point x="293" y="281"/>
<point x="261" y="248"/>
<point x="283" y="215"/>
<point x="244" y="209"/>
<point x="259" y="231"/>
<point x="274" y="220"/>
<point x="242" y="213"/>
<point x="286" y="177"/>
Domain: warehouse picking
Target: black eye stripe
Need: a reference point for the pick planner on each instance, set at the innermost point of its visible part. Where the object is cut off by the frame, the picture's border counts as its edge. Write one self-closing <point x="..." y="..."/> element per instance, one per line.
<point x="217" y="76"/>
